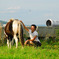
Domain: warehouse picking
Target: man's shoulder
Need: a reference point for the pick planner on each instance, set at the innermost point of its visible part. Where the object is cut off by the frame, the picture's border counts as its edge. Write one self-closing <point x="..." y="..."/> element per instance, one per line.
<point x="35" y="32"/>
<point x="29" y="30"/>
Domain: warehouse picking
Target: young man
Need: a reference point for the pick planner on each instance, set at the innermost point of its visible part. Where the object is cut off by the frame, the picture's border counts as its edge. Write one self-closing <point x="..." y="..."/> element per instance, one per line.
<point x="33" y="35"/>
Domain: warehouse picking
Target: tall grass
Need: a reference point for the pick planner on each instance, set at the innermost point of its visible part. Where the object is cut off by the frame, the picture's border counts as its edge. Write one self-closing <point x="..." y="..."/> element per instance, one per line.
<point x="0" y="35"/>
<point x="46" y="51"/>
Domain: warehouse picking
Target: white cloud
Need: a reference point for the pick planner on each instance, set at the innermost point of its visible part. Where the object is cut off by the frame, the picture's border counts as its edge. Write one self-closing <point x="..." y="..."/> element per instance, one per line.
<point x="16" y="8"/>
<point x="48" y="14"/>
<point x="12" y="11"/>
<point x="7" y="11"/>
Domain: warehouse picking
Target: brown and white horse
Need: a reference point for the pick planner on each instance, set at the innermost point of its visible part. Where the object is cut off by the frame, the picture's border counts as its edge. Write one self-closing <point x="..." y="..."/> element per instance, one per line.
<point x="12" y="29"/>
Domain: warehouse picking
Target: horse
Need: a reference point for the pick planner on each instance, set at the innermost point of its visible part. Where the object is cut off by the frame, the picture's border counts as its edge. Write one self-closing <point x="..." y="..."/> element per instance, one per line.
<point x="14" y="30"/>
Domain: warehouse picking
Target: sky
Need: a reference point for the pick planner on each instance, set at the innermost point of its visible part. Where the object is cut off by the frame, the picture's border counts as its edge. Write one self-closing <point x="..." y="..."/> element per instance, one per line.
<point x="29" y="11"/>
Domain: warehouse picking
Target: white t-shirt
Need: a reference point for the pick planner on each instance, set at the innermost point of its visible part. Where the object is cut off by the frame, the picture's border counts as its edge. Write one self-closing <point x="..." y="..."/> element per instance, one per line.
<point x="33" y="34"/>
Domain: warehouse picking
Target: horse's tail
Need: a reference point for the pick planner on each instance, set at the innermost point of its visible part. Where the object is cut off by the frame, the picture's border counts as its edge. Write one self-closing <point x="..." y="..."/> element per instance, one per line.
<point x="21" y="34"/>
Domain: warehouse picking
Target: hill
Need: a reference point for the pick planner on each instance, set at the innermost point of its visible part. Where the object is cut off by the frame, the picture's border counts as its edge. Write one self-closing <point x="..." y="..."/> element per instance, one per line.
<point x="3" y="22"/>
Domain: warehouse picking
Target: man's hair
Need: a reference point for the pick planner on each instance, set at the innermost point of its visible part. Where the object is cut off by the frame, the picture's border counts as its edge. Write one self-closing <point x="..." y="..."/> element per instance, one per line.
<point x="34" y="26"/>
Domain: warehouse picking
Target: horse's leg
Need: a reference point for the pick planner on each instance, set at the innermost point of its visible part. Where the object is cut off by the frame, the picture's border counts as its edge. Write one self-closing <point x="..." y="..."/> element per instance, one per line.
<point x="16" y="40"/>
<point x="8" y="43"/>
<point x="12" y="41"/>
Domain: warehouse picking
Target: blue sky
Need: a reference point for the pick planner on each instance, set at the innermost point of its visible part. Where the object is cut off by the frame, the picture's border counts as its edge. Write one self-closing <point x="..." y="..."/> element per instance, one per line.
<point x="29" y="11"/>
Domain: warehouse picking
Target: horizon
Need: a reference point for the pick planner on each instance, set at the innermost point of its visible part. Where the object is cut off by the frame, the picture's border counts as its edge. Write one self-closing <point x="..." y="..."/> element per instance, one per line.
<point x="27" y="25"/>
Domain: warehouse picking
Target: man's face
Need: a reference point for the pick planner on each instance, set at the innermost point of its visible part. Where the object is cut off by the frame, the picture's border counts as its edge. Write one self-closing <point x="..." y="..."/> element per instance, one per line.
<point x="32" y="28"/>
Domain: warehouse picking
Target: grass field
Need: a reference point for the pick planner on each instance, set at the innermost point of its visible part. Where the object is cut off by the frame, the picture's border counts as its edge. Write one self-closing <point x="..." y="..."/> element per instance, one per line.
<point x="48" y="50"/>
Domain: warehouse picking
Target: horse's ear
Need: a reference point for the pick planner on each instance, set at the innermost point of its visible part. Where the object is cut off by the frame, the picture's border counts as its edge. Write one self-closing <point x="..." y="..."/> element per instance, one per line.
<point x="11" y="19"/>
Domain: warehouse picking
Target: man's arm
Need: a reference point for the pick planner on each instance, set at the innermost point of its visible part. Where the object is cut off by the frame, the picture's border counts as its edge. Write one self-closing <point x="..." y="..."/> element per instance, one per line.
<point x="24" y="26"/>
<point x="33" y="38"/>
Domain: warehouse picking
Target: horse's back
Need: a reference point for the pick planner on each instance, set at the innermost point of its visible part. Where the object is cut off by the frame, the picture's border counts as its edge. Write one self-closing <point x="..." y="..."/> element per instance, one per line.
<point x="16" y="26"/>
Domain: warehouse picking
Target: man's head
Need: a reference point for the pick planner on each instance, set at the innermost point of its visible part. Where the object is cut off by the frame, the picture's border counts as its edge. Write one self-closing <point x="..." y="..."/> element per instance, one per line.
<point x="33" y="27"/>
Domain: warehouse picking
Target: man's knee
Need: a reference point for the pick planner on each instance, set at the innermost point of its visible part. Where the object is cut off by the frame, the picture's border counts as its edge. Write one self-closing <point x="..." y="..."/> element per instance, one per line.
<point x="39" y="44"/>
<point x="31" y="42"/>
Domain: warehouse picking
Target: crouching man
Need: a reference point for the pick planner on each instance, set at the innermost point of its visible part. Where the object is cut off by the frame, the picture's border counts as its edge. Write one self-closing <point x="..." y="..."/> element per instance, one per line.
<point x="33" y="35"/>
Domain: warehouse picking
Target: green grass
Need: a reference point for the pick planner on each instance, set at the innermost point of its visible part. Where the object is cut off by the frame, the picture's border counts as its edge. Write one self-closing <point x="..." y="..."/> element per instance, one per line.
<point x="46" y="51"/>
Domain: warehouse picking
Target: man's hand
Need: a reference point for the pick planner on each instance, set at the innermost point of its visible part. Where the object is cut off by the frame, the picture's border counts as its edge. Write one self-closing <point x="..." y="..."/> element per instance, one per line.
<point x="26" y="42"/>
